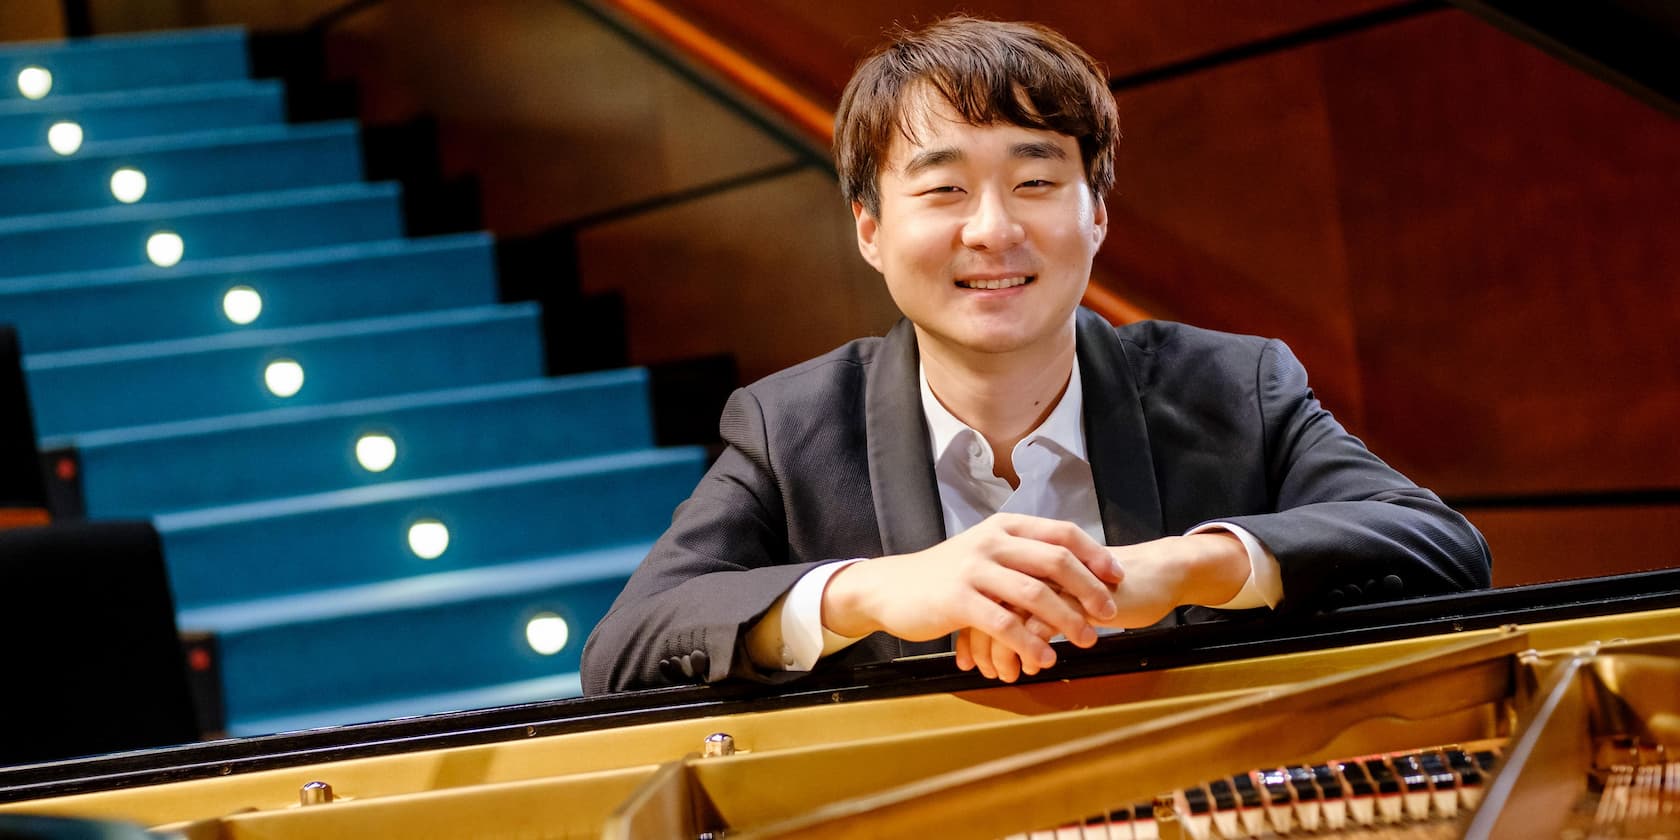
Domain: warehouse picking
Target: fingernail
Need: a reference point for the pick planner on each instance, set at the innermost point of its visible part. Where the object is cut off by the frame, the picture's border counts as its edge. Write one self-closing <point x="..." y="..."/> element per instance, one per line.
<point x="1047" y="658"/>
<point x="1107" y="609"/>
<point x="1119" y="571"/>
<point x="1087" y="637"/>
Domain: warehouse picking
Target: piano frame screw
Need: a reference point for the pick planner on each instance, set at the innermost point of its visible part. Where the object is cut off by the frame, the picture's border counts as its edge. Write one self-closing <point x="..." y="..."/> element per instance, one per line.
<point x="315" y="793"/>
<point x="530" y="732"/>
<point x="717" y="744"/>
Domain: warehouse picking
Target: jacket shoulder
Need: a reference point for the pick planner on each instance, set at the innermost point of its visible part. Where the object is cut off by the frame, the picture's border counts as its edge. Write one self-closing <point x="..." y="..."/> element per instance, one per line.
<point x="1171" y="338"/>
<point x="824" y="379"/>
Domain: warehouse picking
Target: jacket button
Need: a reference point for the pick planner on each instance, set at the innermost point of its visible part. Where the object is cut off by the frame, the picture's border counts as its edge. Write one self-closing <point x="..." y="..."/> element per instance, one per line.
<point x="1393" y="585"/>
<point x="669" y="670"/>
<point x="697" y="664"/>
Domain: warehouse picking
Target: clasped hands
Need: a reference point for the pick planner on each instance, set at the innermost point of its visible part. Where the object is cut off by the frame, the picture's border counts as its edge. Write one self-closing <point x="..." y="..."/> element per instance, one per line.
<point x="1013" y="582"/>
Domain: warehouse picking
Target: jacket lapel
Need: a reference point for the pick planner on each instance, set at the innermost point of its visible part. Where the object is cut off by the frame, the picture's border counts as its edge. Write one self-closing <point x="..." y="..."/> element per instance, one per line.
<point x="900" y="457"/>
<point x="901" y="479"/>
<point x="1116" y="439"/>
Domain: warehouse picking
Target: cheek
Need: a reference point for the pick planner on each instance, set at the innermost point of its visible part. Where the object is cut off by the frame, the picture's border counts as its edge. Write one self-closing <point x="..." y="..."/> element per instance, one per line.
<point x="918" y="244"/>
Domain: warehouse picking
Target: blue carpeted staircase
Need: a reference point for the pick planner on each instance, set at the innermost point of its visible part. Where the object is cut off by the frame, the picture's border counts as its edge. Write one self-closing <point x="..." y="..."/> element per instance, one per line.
<point x="366" y="486"/>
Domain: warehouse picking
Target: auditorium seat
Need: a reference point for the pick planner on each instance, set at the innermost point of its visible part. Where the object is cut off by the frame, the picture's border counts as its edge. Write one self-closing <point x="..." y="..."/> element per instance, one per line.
<point x="94" y="663"/>
<point x="361" y="478"/>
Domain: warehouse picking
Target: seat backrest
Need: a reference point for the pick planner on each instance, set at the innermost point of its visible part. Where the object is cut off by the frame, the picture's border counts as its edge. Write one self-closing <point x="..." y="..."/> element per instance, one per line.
<point x="23" y="492"/>
<point x="94" y="663"/>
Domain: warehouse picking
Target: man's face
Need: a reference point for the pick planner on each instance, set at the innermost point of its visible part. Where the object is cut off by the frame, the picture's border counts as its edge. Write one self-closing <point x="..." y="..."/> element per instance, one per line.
<point x="985" y="233"/>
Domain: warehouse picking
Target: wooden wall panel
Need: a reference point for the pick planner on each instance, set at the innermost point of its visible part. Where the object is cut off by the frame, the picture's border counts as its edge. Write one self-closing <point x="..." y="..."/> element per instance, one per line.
<point x="1224" y="214"/>
<point x="817" y="44"/>
<point x="1539" y="545"/>
<point x="770" y="273"/>
<point x="556" y="116"/>
<point x="1510" y="243"/>
<point x="31" y="20"/>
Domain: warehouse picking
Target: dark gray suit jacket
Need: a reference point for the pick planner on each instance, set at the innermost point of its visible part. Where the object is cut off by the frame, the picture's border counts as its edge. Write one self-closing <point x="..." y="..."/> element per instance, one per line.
<point x="831" y="460"/>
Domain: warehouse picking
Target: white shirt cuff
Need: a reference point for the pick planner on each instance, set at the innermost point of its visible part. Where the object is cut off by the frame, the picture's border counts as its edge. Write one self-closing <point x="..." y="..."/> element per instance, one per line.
<point x="1264" y="587"/>
<point x="791" y="635"/>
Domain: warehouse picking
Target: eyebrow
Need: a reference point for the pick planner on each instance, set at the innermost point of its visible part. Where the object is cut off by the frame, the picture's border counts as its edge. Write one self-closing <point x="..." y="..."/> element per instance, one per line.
<point x="930" y="158"/>
<point x="1038" y="149"/>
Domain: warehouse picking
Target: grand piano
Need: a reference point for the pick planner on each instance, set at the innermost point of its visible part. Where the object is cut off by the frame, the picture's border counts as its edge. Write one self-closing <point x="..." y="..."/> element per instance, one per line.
<point x="1558" y="683"/>
<point x="1532" y="711"/>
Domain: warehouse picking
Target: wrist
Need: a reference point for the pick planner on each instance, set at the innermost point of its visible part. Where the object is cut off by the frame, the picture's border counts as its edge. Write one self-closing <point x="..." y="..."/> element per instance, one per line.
<point x="845" y="609"/>
<point x="1217" y="568"/>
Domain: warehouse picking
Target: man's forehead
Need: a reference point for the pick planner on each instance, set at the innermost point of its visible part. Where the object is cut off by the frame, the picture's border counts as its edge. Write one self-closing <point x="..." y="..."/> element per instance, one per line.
<point x="928" y="123"/>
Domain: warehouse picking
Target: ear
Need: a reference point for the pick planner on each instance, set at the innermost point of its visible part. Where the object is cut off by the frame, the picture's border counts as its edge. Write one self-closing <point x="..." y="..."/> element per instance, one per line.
<point x="1099" y="224"/>
<point x="868" y="228"/>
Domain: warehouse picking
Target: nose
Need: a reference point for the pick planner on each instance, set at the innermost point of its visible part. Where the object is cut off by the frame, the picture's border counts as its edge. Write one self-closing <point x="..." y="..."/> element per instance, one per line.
<point x="991" y="227"/>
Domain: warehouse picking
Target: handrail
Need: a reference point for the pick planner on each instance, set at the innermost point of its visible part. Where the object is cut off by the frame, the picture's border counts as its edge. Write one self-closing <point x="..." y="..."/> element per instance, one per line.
<point x="814" y="119"/>
<point x="808" y="116"/>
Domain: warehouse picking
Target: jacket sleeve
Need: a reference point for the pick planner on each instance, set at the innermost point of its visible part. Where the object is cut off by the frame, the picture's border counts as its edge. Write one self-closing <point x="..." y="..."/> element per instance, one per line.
<point x="683" y="615"/>
<point x="1348" y="527"/>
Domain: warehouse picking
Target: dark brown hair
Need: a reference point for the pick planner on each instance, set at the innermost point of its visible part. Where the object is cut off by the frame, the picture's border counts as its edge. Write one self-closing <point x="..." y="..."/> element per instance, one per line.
<point x="991" y="72"/>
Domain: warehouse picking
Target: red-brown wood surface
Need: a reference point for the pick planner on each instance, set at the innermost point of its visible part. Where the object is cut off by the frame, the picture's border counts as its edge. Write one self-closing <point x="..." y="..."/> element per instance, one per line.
<point x="1547" y="544"/>
<point x="1509" y="229"/>
<point x="817" y="44"/>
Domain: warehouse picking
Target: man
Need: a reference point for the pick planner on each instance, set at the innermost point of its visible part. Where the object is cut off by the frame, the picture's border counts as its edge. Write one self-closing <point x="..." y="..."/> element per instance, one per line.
<point x="1003" y="466"/>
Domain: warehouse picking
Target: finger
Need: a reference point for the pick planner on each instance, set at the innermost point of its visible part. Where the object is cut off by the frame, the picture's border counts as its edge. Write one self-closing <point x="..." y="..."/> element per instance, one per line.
<point x="1090" y="553"/>
<point x="1044" y="631"/>
<point x="1034" y="598"/>
<point x="980" y="646"/>
<point x="1008" y="665"/>
<point x="965" y="658"/>
<point x="1058" y="566"/>
<point x="1004" y="627"/>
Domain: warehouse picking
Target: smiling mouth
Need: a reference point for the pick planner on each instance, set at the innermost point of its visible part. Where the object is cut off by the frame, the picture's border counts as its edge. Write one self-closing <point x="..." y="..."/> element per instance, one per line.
<point x="1001" y="283"/>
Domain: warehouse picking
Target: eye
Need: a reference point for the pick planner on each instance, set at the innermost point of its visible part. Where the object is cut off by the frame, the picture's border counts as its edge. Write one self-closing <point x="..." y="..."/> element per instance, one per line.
<point x="1037" y="182"/>
<point x="941" y="190"/>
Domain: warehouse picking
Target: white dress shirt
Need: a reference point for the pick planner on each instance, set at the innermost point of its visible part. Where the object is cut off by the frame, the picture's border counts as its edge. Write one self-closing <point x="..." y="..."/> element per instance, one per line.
<point x="1055" y="483"/>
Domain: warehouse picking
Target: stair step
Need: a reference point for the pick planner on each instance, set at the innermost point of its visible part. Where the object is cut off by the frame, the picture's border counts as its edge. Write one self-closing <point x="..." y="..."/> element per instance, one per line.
<point x="143" y="113"/>
<point x="181" y="167"/>
<point x="460" y="631"/>
<point x="145" y="303"/>
<point x="360" y="535"/>
<point x="295" y="451"/>
<point x="128" y="62"/>
<point x="115" y="237"/>
<point x="138" y="384"/>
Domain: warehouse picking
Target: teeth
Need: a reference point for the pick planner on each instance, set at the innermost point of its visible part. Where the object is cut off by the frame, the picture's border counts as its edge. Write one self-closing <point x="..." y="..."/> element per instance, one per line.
<point x="1006" y="283"/>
